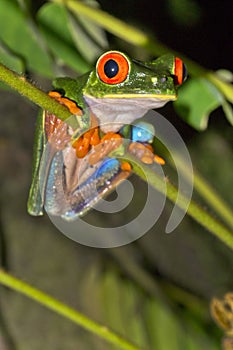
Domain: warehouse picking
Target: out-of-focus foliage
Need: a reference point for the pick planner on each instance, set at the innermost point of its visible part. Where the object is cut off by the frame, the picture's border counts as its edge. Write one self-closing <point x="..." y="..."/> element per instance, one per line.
<point x="184" y="12"/>
<point x="188" y="266"/>
<point x="197" y="99"/>
<point x="50" y="44"/>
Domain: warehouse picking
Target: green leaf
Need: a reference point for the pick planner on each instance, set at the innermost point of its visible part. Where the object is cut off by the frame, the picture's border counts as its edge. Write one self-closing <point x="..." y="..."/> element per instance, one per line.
<point x="10" y="60"/>
<point x="90" y="39"/>
<point x="95" y="31"/>
<point x="21" y="38"/>
<point x="24" y="4"/>
<point x="184" y="12"/>
<point x="133" y="306"/>
<point x="112" y="302"/>
<point x="56" y="32"/>
<point x="222" y="84"/>
<point x="164" y="329"/>
<point x="225" y="75"/>
<point x="197" y="99"/>
<point x="228" y="111"/>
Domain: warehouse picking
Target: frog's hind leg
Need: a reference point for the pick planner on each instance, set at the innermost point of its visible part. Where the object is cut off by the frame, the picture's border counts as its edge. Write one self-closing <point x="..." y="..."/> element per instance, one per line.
<point x="106" y="176"/>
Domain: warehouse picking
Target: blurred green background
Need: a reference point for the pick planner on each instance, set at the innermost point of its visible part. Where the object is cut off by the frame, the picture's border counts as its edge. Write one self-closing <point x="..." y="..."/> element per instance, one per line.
<point x="155" y="291"/>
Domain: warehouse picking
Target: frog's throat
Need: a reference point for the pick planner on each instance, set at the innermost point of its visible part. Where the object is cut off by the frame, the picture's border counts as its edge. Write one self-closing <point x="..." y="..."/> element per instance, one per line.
<point x="114" y="112"/>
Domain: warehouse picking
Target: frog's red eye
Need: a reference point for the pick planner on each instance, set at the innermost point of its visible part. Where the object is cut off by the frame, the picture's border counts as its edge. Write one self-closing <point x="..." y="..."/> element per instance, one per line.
<point x="180" y="71"/>
<point x="112" y="67"/>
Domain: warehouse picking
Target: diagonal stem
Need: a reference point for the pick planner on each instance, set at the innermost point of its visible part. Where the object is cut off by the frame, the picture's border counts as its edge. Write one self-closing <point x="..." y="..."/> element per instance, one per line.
<point x="30" y="91"/>
<point x="66" y="311"/>
<point x="39" y="97"/>
<point x="194" y="210"/>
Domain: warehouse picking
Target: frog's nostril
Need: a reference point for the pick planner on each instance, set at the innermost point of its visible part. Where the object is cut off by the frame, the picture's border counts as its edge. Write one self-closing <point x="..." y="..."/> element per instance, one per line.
<point x="163" y="79"/>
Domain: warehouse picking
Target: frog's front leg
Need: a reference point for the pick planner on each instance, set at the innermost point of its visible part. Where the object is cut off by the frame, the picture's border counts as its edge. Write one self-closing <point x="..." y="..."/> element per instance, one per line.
<point x="90" y="138"/>
<point x="91" y="141"/>
<point x="142" y="135"/>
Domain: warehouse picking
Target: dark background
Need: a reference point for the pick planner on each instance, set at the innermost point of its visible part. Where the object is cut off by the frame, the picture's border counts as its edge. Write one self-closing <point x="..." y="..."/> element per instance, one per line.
<point x="189" y="261"/>
<point x="204" y="33"/>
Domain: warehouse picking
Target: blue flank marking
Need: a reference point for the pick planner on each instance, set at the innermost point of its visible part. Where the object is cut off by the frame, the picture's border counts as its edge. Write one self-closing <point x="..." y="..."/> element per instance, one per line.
<point x="91" y="189"/>
<point x="107" y="166"/>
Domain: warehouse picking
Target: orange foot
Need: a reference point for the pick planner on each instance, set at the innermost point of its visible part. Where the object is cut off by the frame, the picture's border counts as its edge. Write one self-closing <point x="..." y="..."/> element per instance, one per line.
<point x="56" y="130"/>
<point x="73" y="108"/>
<point x="84" y="142"/>
<point x="145" y="153"/>
<point x="108" y="143"/>
<point x="103" y="146"/>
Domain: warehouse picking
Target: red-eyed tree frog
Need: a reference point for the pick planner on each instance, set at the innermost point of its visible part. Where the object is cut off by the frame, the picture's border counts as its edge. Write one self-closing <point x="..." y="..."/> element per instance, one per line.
<point x="74" y="164"/>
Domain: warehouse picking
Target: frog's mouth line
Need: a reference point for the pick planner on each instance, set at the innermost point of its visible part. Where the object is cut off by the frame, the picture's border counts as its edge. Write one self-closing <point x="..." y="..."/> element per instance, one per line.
<point x="139" y="96"/>
<point x="167" y="97"/>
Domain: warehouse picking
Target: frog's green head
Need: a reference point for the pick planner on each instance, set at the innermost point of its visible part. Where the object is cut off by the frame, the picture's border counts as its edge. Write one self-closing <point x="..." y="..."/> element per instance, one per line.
<point x="121" y="90"/>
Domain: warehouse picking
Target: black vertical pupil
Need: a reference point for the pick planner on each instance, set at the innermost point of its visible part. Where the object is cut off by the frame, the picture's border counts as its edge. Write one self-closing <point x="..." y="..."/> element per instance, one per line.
<point x="111" y="68"/>
<point x="185" y="72"/>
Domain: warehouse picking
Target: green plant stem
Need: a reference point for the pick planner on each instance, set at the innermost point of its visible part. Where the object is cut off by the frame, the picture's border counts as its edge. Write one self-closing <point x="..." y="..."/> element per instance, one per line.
<point x="20" y="84"/>
<point x="194" y="210"/>
<point x="212" y="197"/>
<point x="66" y="311"/>
<point x="207" y="193"/>
<point x="39" y="97"/>
<point x="225" y="88"/>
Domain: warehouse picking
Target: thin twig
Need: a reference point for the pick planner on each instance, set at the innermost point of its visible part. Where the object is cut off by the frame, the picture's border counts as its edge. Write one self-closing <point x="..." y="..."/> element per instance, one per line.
<point x="20" y="84"/>
<point x="66" y="311"/>
<point x="194" y="210"/>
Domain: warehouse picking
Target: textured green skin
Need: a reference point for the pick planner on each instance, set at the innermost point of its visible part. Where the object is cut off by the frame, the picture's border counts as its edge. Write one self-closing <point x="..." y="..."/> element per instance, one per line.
<point x="138" y="82"/>
<point x="35" y="202"/>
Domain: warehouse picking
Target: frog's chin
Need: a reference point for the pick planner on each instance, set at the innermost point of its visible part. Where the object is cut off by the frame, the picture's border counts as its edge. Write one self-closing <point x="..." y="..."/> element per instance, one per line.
<point x="113" y="113"/>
